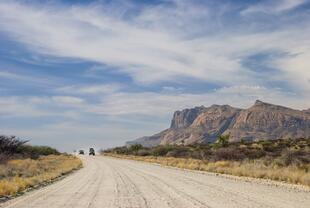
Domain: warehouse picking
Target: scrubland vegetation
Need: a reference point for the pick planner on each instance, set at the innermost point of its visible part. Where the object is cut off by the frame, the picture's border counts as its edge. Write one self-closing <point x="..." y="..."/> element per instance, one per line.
<point x="284" y="160"/>
<point x="23" y="166"/>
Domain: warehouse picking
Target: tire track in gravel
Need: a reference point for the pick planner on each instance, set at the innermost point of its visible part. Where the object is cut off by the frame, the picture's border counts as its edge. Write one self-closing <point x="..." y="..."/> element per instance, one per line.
<point x="151" y="188"/>
<point x="80" y="193"/>
<point x="201" y="185"/>
<point x="176" y="198"/>
<point x="127" y="192"/>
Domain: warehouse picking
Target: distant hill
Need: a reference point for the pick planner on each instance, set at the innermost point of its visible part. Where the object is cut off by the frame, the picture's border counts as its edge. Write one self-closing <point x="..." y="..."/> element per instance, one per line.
<point x="262" y="121"/>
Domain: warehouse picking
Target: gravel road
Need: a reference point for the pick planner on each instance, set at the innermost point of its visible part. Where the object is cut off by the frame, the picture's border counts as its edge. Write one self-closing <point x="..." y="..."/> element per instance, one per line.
<point x="106" y="182"/>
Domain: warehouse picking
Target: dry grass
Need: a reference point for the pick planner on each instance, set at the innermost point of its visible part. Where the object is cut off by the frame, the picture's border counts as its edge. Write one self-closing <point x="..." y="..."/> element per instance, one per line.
<point x="250" y="168"/>
<point x="18" y="175"/>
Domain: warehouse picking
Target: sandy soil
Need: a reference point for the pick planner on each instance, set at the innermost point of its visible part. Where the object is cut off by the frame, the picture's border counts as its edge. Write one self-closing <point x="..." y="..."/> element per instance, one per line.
<point x="106" y="182"/>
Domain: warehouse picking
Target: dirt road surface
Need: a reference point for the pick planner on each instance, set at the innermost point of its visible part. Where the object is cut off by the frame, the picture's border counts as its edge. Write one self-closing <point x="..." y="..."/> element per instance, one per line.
<point x="113" y="183"/>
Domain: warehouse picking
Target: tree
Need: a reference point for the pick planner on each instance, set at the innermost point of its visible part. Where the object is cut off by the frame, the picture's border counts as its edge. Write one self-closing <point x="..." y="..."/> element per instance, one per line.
<point x="10" y="144"/>
<point x="223" y="140"/>
<point x="135" y="148"/>
<point x="242" y="141"/>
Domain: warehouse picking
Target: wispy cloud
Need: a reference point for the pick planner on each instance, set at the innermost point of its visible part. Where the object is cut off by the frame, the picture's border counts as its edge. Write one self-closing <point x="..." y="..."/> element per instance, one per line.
<point x="151" y="49"/>
<point x="39" y="106"/>
<point x="20" y="77"/>
<point x="274" y="7"/>
<point x="90" y="89"/>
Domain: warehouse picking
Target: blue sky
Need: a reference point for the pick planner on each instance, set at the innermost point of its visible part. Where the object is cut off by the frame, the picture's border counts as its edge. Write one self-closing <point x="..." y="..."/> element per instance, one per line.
<point x="86" y="73"/>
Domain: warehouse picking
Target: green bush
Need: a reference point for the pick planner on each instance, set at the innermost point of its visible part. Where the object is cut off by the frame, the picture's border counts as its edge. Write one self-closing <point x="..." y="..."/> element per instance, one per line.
<point x="222" y="141"/>
<point x="294" y="157"/>
<point x="254" y="153"/>
<point x="13" y="147"/>
<point x="10" y="144"/>
<point x="135" y="148"/>
<point x="180" y="151"/>
<point x="161" y="150"/>
<point x="36" y="151"/>
<point x="119" y="150"/>
<point x="228" y="153"/>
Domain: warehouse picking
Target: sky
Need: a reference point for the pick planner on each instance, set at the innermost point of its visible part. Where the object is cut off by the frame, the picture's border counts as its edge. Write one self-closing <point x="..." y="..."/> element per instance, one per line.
<point x="80" y="73"/>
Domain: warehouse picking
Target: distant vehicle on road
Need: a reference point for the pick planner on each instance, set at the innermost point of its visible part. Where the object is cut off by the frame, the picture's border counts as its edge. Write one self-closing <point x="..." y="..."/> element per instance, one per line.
<point x="81" y="152"/>
<point x="91" y="151"/>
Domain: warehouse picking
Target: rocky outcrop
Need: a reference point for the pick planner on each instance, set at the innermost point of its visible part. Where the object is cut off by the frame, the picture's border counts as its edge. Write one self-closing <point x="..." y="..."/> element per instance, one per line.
<point x="262" y="121"/>
<point x="185" y="118"/>
<point x="267" y="121"/>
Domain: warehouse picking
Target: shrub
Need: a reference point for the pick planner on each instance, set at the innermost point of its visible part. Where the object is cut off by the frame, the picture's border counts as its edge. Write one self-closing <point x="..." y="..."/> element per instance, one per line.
<point x="135" y="148"/>
<point x="35" y="151"/>
<point x="201" y="154"/>
<point x="228" y="154"/>
<point x="222" y="140"/>
<point x="143" y="152"/>
<point x="12" y="147"/>
<point x="10" y="144"/>
<point x="254" y="153"/>
<point x="161" y="150"/>
<point x="294" y="157"/>
<point x="120" y="150"/>
<point x="178" y="152"/>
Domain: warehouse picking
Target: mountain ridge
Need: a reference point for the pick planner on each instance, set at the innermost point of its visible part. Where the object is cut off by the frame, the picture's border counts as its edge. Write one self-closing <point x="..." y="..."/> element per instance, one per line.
<point x="261" y="121"/>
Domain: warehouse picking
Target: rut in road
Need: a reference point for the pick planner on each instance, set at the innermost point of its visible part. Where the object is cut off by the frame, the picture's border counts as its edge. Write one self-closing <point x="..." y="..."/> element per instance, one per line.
<point x="114" y="183"/>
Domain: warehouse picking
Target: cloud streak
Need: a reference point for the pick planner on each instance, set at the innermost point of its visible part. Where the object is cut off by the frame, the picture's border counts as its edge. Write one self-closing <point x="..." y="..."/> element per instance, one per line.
<point x="274" y="7"/>
<point x="154" y="44"/>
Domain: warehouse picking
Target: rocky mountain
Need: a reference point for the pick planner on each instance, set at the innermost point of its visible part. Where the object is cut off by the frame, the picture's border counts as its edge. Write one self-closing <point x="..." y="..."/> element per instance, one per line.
<point x="262" y="121"/>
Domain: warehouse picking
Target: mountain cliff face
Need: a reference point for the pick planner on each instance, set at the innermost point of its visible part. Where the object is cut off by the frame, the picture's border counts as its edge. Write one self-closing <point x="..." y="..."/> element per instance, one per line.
<point x="185" y="118"/>
<point x="262" y="121"/>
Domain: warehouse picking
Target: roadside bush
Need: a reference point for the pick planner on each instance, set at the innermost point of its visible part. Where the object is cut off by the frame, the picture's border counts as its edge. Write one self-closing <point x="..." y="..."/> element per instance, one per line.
<point x="12" y="147"/>
<point x="161" y="150"/>
<point x="35" y="151"/>
<point x="294" y="157"/>
<point x="201" y="154"/>
<point x="178" y="152"/>
<point x="143" y="152"/>
<point x="228" y="154"/>
<point x="253" y="153"/>
<point x="10" y="144"/>
<point x="117" y="150"/>
<point x="135" y="148"/>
